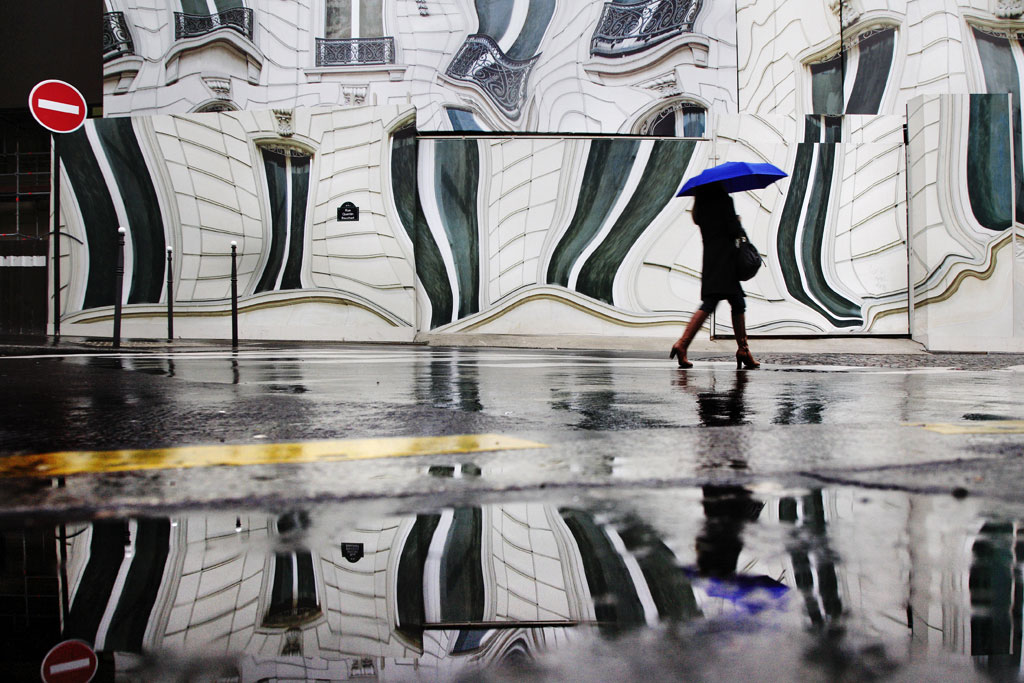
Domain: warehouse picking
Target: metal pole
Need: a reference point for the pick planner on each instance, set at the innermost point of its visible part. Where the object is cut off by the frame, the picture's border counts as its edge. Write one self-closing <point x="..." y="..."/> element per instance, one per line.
<point x="234" y="295"/>
<point x="55" y="175"/>
<point x="62" y="549"/>
<point x="118" y="286"/>
<point x="170" y="294"/>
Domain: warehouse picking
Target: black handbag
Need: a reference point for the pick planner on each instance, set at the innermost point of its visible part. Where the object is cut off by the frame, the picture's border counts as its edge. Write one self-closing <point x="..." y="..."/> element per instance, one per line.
<point x="748" y="258"/>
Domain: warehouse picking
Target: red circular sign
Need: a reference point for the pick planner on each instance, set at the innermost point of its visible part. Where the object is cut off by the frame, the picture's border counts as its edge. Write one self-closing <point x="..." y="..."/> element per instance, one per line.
<point x="57" y="106"/>
<point x="69" y="662"/>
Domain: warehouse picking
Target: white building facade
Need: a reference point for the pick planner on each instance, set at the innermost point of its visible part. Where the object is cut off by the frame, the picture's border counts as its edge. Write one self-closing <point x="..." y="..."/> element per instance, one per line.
<point x="517" y="162"/>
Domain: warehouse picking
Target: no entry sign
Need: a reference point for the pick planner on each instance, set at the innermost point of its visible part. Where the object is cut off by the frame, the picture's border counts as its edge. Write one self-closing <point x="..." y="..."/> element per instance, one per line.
<point x="57" y="106"/>
<point x="69" y="662"/>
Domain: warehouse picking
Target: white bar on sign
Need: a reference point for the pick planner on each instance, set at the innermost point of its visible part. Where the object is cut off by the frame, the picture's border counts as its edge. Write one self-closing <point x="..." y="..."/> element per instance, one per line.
<point x="73" y="665"/>
<point x="58" y="106"/>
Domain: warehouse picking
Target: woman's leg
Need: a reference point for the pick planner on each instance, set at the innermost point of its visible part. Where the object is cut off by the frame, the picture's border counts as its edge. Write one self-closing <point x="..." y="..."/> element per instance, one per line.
<point x="739" y="326"/>
<point x="683" y="343"/>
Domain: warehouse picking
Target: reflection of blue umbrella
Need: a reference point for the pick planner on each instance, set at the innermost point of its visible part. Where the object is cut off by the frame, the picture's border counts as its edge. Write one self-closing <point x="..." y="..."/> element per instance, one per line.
<point x="753" y="593"/>
<point x="736" y="176"/>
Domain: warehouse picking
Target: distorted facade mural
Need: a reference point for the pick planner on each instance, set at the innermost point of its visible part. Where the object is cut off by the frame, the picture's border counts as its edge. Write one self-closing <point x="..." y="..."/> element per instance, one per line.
<point x="513" y="65"/>
<point x="481" y="229"/>
<point x="269" y="183"/>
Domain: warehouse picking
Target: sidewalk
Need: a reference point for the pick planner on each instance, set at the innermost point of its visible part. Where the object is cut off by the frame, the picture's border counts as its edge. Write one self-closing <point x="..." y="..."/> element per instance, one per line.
<point x="832" y="351"/>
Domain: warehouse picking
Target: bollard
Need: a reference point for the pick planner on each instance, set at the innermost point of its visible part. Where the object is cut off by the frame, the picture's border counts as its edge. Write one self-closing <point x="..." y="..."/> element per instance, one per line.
<point x="234" y="296"/>
<point x="118" y="286"/>
<point x="170" y="294"/>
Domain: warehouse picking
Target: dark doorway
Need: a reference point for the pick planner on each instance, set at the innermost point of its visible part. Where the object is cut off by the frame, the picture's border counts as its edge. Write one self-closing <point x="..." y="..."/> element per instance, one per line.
<point x="23" y="292"/>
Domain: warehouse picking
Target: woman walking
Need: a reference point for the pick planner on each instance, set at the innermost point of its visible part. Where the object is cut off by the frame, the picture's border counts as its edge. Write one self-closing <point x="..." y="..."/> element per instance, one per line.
<point x="715" y="215"/>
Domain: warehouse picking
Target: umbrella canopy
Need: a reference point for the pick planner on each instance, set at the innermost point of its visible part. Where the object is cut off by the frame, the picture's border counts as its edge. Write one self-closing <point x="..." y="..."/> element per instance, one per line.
<point x="736" y="176"/>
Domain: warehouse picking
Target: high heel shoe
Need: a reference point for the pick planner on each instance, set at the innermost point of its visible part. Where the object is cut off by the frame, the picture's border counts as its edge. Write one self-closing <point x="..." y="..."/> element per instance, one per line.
<point x="680" y="355"/>
<point x="679" y="348"/>
<point x="744" y="359"/>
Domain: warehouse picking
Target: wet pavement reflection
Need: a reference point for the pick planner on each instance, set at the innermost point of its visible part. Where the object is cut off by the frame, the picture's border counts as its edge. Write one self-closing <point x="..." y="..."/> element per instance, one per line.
<point x="108" y="402"/>
<point x="718" y="582"/>
<point x="783" y="524"/>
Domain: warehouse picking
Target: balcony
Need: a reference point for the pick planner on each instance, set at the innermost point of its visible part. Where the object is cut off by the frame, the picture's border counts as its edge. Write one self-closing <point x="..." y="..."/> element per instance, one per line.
<point x="480" y="61"/>
<point x="117" y="41"/>
<point x="627" y="28"/>
<point x="354" y="51"/>
<point x="194" y="25"/>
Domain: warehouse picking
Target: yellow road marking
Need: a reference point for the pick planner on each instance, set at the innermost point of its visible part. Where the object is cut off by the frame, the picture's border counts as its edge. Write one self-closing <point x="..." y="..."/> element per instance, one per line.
<point x="985" y="427"/>
<point x="80" y="462"/>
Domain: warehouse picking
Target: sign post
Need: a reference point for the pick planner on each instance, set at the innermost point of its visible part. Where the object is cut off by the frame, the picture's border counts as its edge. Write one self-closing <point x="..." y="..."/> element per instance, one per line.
<point x="60" y="108"/>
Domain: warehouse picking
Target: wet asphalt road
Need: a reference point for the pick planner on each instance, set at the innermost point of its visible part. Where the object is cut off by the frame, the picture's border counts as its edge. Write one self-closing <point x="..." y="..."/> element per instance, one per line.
<point x="607" y="419"/>
<point x="827" y="517"/>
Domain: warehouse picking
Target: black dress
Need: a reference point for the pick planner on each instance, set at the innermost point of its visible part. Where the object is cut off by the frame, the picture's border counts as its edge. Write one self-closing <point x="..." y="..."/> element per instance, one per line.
<point x="715" y="215"/>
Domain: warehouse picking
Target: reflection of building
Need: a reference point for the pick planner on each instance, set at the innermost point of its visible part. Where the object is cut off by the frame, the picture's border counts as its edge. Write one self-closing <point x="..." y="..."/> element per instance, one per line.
<point x="448" y="591"/>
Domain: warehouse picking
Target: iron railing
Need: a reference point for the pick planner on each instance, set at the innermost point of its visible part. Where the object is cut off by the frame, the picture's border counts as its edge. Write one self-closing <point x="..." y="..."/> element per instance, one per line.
<point x="625" y="28"/>
<point x="194" y="25"/>
<point x="117" y="40"/>
<point x="343" y="51"/>
<point x="480" y="60"/>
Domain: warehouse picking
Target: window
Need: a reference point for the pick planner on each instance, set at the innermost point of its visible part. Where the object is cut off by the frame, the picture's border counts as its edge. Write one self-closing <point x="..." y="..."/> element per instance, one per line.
<point x="293" y="592"/>
<point x="354" y="34"/>
<point x="679" y="120"/>
<point x="852" y="81"/>
<point x="287" y="172"/>
<point x="353" y="19"/>
<point x="462" y="119"/>
<point x="199" y="17"/>
<point x="1002" y="62"/>
<point x="209" y="6"/>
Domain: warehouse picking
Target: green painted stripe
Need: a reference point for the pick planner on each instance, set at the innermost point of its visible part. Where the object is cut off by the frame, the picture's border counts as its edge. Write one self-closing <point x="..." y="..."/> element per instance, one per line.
<point x="457" y="170"/>
<point x="604" y="177"/>
<point x="121" y="147"/>
<point x="661" y="179"/>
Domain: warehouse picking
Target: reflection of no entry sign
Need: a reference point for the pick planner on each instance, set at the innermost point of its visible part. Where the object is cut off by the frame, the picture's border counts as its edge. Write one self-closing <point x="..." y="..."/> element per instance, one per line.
<point x="57" y="106"/>
<point x="69" y="662"/>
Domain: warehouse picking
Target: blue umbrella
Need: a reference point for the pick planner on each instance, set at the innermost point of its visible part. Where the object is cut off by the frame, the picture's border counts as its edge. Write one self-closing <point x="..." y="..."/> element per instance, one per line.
<point x="736" y="176"/>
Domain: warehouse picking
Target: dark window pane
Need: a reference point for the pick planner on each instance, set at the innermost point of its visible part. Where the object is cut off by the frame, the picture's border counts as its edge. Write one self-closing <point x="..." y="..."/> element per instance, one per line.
<point x="195" y="7"/>
<point x="462" y="120"/>
<point x="1001" y="77"/>
<point x="338" y="19"/>
<point x="827" y="86"/>
<point x="665" y="125"/>
<point x="371" y="19"/>
<point x="693" y="123"/>
<point x="873" y="68"/>
<point x="988" y="161"/>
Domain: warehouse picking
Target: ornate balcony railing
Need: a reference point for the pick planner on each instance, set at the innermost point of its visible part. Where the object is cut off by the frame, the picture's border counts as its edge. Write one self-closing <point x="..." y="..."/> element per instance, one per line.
<point x="627" y="28"/>
<point x="117" y="41"/>
<point x="480" y="60"/>
<point x="194" y="25"/>
<point x="344" y="51"/>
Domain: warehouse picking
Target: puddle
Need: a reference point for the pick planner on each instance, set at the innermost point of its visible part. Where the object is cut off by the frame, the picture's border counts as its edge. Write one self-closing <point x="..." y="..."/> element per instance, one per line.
<point x="715" y="582"/>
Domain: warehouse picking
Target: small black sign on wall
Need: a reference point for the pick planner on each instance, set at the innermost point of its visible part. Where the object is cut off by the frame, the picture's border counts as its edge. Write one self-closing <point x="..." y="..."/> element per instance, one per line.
<point x="353" y="552"/>
<point x="348" y="212"/>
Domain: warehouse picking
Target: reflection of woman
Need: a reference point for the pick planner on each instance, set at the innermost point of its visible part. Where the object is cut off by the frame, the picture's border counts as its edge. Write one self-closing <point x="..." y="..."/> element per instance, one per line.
<point x="714" y="214"/>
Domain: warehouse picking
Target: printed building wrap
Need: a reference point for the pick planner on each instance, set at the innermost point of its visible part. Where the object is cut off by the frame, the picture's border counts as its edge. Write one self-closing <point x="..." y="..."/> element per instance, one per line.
<point x="514" y="165"/>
